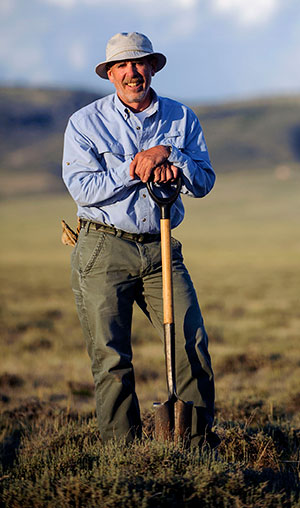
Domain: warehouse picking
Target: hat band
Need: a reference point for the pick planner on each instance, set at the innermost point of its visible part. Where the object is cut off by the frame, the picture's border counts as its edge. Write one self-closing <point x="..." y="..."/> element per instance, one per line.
<point x="126" y="50"/>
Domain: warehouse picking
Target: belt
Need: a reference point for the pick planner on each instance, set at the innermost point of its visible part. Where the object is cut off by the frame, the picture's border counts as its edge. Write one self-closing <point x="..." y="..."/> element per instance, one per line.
<point x="132" y="237"/>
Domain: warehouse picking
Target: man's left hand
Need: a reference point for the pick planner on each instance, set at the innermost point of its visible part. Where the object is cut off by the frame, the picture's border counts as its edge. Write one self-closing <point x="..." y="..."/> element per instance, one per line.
<point x="145" y="163"/>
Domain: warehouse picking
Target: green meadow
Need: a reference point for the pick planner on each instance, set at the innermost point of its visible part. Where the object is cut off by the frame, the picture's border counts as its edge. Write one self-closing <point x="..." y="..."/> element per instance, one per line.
<point x="242" y="246"/>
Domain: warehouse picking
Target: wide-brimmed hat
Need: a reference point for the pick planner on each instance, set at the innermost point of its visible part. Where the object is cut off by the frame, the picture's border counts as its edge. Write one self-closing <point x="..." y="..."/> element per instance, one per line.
<point x="128" y="46"/>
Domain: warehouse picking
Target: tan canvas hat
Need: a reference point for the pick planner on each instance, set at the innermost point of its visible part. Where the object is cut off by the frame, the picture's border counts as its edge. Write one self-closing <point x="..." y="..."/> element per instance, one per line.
<point x="128" y="46"/>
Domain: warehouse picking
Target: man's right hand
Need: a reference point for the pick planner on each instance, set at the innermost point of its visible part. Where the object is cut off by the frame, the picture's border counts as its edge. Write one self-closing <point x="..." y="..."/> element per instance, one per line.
<point x="154" y="160"/>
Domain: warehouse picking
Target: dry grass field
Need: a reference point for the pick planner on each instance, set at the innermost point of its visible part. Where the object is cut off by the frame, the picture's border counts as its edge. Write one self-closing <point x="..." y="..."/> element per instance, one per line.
<point x="242" y="247"/>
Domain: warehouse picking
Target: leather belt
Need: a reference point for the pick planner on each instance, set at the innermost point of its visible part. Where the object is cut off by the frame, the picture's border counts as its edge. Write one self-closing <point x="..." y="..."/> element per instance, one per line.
<point x="132" y="237"/>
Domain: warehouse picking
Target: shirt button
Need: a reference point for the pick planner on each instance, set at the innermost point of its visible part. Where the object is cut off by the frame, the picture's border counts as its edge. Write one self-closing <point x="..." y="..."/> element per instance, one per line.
<point x="138" y="128"/>
<point x="144" y="220"/>
<point x="144" y="195"/>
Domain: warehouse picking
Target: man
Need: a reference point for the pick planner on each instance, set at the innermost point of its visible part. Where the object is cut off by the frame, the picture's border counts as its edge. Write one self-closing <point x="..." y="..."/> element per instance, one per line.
<point x="112" y="147"/>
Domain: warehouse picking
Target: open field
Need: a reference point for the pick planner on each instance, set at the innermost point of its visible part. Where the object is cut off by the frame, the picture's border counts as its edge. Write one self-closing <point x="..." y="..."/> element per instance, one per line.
<point x="242" y="247"/>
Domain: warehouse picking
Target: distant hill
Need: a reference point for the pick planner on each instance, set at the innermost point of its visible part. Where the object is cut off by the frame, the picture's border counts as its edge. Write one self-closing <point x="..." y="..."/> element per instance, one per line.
<point x="32" y="123"/>
<point x="259" y="134"/>
<point x="245" y="135"/>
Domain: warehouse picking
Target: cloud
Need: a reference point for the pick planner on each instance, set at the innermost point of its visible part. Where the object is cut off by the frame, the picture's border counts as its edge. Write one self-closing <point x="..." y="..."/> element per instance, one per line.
<point x="61" y="3"/>
<point x="77" y="55"/>
<point x="179" y="18"/>
<point x="248" y="12"/>
<point x="156" y="5"/>
<point x="6" y="7"/>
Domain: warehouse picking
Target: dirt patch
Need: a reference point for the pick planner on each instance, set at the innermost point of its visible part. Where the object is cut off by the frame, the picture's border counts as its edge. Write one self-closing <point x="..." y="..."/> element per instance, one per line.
<point x="293" y="404"/>
<point x="11" y="380"/>
<point x="81" y="389"/>
<point x="243" y="362"/>
<point x="146" y="375"/>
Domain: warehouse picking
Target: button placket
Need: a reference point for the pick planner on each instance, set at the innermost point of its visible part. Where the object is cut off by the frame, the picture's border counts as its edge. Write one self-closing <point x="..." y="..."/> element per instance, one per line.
<point x="137" y="130"/>
<point x="144" y="210"/>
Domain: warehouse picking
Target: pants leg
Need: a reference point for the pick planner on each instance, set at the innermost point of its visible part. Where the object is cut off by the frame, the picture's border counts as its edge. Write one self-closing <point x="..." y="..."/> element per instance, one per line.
<point x="194" y="375"/>
<point x="104" y="283"/>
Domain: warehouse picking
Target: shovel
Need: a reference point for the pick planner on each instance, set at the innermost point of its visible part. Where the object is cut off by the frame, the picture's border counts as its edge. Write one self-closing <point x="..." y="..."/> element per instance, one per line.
<point x="173" y="418"/>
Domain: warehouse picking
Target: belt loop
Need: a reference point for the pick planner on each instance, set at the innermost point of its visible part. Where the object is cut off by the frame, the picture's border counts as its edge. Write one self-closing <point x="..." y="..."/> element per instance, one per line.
<point x="88" y="228"/>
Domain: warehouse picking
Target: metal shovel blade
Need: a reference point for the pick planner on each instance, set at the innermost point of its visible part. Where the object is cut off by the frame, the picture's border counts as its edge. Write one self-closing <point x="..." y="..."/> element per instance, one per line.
<point x="183" y="421"/>
<point x="173" y="421"/>
<point x="164" y="421"/>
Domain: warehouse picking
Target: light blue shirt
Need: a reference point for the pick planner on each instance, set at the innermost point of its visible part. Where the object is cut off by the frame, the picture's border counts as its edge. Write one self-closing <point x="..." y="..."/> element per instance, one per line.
<point x="102" y="139"/>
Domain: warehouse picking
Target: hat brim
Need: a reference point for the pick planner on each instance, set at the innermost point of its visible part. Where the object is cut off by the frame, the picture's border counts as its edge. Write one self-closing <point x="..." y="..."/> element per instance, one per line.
<point x="101" y="68"/>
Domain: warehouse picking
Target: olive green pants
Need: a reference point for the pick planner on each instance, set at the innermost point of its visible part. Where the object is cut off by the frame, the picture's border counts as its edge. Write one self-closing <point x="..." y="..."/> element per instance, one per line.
<point x="109" y="274"/>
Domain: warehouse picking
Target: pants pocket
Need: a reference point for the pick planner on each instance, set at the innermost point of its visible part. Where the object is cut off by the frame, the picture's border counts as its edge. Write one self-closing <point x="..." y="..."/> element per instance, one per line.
<point x="89" y="247"/>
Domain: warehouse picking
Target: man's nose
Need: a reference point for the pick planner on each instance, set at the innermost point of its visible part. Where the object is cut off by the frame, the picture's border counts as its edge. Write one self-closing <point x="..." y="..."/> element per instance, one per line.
<point x="132" y="69"/>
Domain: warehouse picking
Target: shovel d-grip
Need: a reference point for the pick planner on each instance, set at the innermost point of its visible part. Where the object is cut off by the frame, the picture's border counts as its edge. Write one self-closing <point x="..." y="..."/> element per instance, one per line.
<point x="173" y="417"/>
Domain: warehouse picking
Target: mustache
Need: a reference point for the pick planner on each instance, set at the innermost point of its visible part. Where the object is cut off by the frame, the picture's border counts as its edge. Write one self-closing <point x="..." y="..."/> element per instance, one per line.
<point x="136" y="81"/>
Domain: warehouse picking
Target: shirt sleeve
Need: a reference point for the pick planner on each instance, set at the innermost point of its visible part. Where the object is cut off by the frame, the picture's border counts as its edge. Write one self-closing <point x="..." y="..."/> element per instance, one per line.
<point x="193" y="160"/>
<point x="88" y="182"/>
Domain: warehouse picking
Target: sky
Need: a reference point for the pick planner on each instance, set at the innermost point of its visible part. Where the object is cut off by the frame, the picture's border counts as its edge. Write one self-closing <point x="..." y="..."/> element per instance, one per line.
<point x="217" y="50"/>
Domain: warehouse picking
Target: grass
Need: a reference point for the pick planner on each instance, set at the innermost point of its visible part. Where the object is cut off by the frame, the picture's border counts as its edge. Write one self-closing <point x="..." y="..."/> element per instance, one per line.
<point x="242" y="247"/>
<point x="62" y="462"/>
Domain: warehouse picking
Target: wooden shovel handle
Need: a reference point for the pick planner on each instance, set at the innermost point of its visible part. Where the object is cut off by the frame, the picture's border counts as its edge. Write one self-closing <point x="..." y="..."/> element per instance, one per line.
<point x="166" y="255"/>
<point x="168" y="308"/>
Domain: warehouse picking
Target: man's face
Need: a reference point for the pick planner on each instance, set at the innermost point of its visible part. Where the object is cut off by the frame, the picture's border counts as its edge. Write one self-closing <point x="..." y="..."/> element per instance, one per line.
<point x="132" y="80"/>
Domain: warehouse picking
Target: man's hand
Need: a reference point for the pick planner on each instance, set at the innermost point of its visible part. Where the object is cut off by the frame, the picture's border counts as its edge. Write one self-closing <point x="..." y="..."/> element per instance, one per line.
<point x="155" y="160"/>
<point x="165" y="173"/>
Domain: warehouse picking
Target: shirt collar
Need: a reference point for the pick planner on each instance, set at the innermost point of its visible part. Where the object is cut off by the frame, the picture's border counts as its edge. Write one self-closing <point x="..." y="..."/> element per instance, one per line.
<point x="125" y="111"/>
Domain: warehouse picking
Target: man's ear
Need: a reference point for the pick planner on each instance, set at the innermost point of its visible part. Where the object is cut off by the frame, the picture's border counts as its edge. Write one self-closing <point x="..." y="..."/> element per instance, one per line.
<point x="109" y="74"/>
<point x="153" y="64"/>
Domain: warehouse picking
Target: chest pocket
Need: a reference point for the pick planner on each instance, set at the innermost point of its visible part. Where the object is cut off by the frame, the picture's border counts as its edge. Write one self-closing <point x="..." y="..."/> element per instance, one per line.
<point x="175" y="138"/>
<point x="111" y="153"/>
